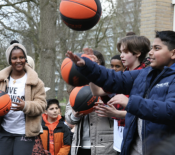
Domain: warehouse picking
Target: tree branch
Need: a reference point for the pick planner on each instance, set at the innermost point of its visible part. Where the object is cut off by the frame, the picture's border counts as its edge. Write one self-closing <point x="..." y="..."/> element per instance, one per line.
<point x="34" y="1"/>
<point x="20" y="10"/>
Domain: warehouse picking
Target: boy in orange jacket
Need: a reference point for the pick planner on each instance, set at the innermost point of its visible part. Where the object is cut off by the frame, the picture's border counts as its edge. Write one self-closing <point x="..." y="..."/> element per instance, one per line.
<point x="56" y="135"/>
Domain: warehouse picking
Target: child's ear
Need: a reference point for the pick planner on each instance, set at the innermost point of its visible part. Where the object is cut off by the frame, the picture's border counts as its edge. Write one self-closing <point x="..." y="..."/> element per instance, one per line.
<point x="138" y="54"/>
<point x="173" y="54"/>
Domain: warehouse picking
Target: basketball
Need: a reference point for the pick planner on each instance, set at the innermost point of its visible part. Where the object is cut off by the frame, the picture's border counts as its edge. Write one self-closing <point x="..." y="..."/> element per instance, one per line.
<point x="70" y="74"/>
<point x="5" y="103"/>
<point x="80" y="15"/>
<point x="82" y="100"/>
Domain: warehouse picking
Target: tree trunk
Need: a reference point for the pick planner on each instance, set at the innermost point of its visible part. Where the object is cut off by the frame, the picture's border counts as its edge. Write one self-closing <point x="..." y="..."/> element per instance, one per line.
<point x="48" y="16"/>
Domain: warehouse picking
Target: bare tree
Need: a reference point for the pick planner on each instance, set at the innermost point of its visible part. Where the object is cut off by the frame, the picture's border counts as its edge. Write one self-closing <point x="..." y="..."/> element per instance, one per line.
<point x="37" y="24"/>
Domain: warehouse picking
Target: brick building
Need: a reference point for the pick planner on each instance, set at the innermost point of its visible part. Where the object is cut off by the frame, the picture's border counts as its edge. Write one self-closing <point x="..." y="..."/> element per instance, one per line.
<point x="156" y="15"/>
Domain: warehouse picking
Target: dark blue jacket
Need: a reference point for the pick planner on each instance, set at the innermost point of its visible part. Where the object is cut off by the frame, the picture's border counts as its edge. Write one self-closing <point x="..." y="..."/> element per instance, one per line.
<point x="152" y="98"/>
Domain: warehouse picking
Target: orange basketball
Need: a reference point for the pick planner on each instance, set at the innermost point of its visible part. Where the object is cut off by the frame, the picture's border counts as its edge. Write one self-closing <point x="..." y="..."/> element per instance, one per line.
<point x="80" y="15"/>
<point x="82" y="100"/>
<point x="70" y="74"/>
<point x="5" y="103"/>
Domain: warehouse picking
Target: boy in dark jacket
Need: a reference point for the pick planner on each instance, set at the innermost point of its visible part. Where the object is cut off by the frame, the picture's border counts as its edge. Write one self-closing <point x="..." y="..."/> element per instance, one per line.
<point x="56" y="135"/>
<point x="151" y="105"/>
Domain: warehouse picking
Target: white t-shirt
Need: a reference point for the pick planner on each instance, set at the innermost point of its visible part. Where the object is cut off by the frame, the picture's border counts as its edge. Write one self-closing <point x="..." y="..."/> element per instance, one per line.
<point x="14" y="121"/>
<point x="118" y="132"/>
<point x="118" y="136"/>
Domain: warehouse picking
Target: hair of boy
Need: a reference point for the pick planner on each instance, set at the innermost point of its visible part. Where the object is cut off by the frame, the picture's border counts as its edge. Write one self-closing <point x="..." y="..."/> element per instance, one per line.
<point x="167" y="37"/>
<point x="116" y="57"/>
<point x="52" y="101"/>
<point x="100" y="57"/>
<point x="130" y="33"/>
<point x="135" y="45"/>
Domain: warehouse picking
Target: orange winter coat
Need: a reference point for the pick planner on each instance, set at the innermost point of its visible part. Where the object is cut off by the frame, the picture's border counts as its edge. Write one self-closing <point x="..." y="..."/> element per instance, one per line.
<point x="55" y="137"/>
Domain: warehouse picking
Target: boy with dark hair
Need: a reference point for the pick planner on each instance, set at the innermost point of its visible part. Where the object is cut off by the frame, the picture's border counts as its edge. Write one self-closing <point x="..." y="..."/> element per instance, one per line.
<point x="151" y="105"/>
<point x="51" y="101"/>
<point x="56" y="135"/>
<point x="130" y="33"/>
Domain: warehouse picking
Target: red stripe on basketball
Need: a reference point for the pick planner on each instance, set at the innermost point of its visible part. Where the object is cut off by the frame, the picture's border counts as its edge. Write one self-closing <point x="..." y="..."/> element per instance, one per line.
<point x="4" y="100"/>
<point x="5" y="104"/>
<point x="86" y="111"/>
<point x="65" y="69"/>
<point x="87" y="56"/>
<point x="75" y="10"/>
<point x="88" y="3"/>
<point x="73" y="95"/>
<point x="9" y="102"/>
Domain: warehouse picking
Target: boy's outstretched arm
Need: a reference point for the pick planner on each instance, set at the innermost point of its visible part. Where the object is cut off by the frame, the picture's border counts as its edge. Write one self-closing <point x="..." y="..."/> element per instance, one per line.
<point x="108" y="79"/>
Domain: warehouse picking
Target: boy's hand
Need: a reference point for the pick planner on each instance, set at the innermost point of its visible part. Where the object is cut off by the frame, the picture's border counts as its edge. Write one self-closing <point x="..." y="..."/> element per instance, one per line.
<point x="77" y="60"/>
<point x="76" y="114"/>
<point x="119" y="99"/>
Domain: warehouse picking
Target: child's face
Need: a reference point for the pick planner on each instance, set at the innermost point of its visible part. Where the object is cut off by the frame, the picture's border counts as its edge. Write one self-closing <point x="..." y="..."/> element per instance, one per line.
<point x="117" y="65"/>
<point x="53" y="111"/>
<point x="159" y="55"/>
<point x="127" y="58"/>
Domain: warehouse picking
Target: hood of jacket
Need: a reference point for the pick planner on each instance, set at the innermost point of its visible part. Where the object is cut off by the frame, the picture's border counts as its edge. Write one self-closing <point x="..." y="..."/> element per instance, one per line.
<point x="32" y="76"/>
<point x="47" y="123"/>
<point x="172" y="66"/>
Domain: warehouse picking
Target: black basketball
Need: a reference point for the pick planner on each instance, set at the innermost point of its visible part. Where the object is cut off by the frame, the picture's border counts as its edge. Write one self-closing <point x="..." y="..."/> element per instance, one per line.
<point x="80" y="15"/>
<point x="82" y="100"/>
<point x="70" y="74"/>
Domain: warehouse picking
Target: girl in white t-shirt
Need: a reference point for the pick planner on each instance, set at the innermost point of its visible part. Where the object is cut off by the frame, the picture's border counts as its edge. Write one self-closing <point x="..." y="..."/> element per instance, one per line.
<point x="21" y="125"/>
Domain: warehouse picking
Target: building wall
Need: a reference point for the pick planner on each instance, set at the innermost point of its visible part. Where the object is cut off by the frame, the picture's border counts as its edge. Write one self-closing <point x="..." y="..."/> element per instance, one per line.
<point x="156" y="15"/>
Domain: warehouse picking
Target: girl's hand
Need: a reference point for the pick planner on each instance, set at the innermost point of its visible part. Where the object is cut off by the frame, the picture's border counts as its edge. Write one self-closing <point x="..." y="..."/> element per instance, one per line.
<point x="19" y="107"/>
<point x="108" y="111"/>
<point x="119" y="99"/>
<point x="77" y="60"/>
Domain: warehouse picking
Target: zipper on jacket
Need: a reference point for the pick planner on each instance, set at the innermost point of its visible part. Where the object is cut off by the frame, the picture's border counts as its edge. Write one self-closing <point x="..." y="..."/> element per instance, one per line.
<point x="146" y="96"/>
<point x="48" y="142"/>
<point x="110" y="124"/>
<point x="54" y="141"/>
<point x="144" y="152"/>
<point x="144" y="126"/>
<point x="153" y="83"/>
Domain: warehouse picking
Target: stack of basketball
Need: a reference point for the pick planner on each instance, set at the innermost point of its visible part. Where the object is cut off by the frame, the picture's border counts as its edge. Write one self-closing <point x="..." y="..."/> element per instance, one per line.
<point x="81" y="98"/>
